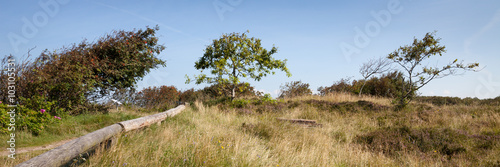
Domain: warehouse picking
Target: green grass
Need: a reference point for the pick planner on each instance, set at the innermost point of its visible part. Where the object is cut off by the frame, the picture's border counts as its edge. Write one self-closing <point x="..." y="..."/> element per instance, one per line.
<point x="70" y="127"/>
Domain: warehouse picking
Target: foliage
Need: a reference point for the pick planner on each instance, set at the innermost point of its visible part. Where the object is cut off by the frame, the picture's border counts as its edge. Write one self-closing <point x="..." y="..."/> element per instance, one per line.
<point x="190" y="95"/>
<point x="387" y="85"/>
<point x="267" y="98"/>
<point x="411" y="59"/>
<point x="69" y="79"/>
<point x="158" y="98"/>
<point x="222" y="90"/>
<point x="34" y="116"/>
<point x="342" y="86"/>
<point x="441" y="101"/>
<point x="73" y="76"/>
<point x="234" y="56"/>
<point x="294" y="89"/>
<point x="373" y="67"/>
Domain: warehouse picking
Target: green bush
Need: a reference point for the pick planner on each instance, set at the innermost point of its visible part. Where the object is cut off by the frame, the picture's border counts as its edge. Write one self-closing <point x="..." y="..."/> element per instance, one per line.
<point x="267" y="98"/>
<point x="387" y="85"/>
<point x="239" y="103"/>
<point x="27" y="118"/>
<point x="220" y="90"/>
<point x="342" y="86"/>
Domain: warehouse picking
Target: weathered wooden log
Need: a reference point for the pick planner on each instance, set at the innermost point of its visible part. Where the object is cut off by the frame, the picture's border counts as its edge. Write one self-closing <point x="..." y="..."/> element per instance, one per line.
<point x="151" y="119"/>
<point x="64" y="153"/>
<point x="301" y="121"/>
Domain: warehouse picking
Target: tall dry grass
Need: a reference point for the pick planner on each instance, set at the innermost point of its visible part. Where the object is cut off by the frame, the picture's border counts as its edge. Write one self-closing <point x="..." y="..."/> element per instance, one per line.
<point x="209" y="136"/>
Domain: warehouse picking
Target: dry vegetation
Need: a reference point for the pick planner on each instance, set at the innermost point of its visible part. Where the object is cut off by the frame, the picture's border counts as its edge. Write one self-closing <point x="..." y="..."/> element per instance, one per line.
<point x="354" y="133"/>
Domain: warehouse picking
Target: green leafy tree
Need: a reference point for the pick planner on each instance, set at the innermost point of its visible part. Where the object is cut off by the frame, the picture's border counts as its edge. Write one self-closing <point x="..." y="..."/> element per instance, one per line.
<point x="234" y="56"/>
<point x="411" y="59"/>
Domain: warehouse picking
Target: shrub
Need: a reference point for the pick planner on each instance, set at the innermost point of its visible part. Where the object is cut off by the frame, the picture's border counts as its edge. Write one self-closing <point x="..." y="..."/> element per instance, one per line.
<point x="344" y="86"/>
<point x="294" y="89"/>
<point x="220" y="90"/>
<point x="447" y="142"/>
<point x="439" y="100"/>
<point x="158" y="98"/>
<point x="77" y="75"/>
<point x="190" y="95"/>
<point x="33" y="120"/>
<point x="387" y="85"/>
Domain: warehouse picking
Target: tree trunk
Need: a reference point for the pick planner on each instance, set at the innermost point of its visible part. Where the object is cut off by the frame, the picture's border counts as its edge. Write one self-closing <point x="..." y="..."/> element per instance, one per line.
<point x="234" y="83"/>
<point x="233" y="93"/>
<point x="361" y="90"/>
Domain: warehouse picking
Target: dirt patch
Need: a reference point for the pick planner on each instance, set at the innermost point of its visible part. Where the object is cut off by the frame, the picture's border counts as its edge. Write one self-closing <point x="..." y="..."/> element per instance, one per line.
<point x="36" y="148"/>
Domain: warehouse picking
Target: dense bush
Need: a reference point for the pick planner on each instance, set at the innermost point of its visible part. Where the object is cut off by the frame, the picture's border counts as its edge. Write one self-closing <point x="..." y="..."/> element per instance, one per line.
<point x="220" y="90"/>
<point x="387" y="85"/>
<point x="158" y="98"/>
<point x="73" y="76"/>
<point x="190" y="95"/>
<point x="33" y="117"/>
<point x="344" y="86"/>
<point x="294" y="89"/>
<point x="72" y="79"/>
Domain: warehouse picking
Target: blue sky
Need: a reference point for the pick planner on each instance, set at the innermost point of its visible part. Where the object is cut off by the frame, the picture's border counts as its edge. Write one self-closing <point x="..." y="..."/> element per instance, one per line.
<point x="310" y="34"/>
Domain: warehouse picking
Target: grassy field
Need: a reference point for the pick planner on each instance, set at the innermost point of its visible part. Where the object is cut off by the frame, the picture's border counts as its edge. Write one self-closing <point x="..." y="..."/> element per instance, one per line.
<point x="355" y="132"/>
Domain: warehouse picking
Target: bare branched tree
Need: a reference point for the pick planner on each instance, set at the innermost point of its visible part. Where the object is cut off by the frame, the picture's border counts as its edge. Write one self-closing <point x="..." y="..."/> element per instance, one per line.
<point x="373" y="67"/>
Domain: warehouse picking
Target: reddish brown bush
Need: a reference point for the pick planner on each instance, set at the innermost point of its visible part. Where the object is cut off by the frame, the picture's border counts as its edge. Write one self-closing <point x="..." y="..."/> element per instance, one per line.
<point x="158" y="98"/>
<point x="76" y="75"/>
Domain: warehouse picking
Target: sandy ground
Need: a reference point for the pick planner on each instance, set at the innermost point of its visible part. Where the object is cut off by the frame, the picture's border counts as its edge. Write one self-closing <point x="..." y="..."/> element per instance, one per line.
<point x="36" y="148"/>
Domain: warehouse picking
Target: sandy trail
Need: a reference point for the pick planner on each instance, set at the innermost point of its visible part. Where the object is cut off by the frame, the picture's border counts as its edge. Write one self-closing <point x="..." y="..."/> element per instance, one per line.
<point x="36" y="148"/>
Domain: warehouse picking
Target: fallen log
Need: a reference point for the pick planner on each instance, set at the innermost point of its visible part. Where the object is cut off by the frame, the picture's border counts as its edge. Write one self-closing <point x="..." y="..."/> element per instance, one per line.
<point x="66" y="152"/>
<point x="301" y="121"/>
<point x="63" y="154"/>
<point x="151" y="119"/>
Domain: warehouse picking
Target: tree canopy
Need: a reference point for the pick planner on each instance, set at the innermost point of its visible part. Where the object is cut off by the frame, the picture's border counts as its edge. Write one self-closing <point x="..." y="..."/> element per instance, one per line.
<point x="234" y="56"/>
